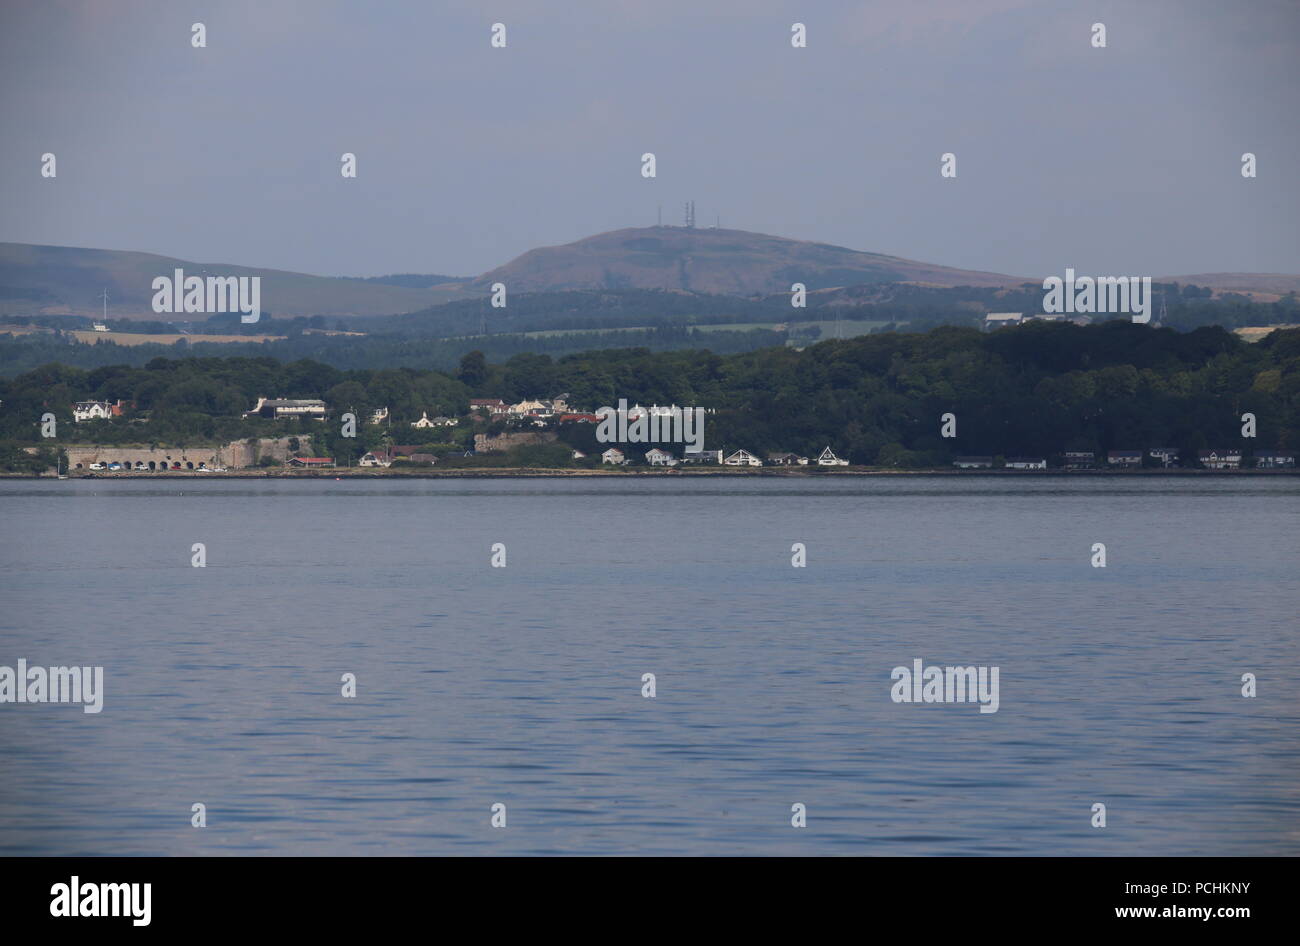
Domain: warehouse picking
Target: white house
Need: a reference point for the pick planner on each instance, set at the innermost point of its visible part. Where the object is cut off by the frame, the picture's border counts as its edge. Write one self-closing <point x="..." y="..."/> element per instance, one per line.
<point x="742" y="458"/>
<point x="578" y="455"/>
<point x="376" y="458"/>
<point x="615" y="456"/>
<point x="95" y="410"/>
<point x="289" y="407"/>
<point x="657" y="457"/>
<point x="973" y="463"/>
<point x="1026" y="463"/>
<point x="828" y="458"/>
<point x="1220" y="459"/>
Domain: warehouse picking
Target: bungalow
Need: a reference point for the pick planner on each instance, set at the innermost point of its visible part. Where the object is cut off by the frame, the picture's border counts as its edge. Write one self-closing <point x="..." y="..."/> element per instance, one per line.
<point x="828" y="458"/>
<point x="311" y="462"/>
<point x="1002" y="319"/>
<point x="579" y="419"/>
<point x="1274" y="460"/>
<point x="1026" y="463"/>
<point x="1167" y="456"/>
<point x="702" y="456"/>
<point x="1079" y="459"/>
<point x="1220" y="459"/>
<point x="527" y="407"/>
<point x="786" y="459"/>
<point x="422" y="459"/>
<point x="657" y="457"/>
<point x="375" y="458"/>
<point x="615" y="456"/>
<point x="1124" y="458"/>
<point x="95" y="410"/>
<point x="973" y="463"/>
<point x="280" y="408"/>
<point x="487" y="405"/>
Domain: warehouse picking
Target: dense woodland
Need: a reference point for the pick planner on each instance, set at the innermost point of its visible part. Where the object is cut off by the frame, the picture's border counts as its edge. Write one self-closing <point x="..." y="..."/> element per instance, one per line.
<point x="1038" y="389"/>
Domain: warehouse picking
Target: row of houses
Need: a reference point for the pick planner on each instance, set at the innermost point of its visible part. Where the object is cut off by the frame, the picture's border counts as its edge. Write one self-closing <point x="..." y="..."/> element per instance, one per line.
<point x="1166" y="457"/>
<point x="657" y="456"/>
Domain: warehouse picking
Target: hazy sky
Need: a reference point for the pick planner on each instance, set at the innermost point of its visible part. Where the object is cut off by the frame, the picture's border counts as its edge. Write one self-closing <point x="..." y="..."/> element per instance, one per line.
<point x="1123" y="160"/>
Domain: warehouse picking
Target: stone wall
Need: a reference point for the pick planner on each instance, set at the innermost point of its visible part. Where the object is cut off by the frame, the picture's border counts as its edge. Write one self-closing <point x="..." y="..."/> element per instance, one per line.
<point x="235" y="455"/>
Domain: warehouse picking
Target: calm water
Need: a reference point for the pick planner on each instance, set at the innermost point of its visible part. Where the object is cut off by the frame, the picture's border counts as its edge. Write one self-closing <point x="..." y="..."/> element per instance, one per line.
<point x="522" y="685"/>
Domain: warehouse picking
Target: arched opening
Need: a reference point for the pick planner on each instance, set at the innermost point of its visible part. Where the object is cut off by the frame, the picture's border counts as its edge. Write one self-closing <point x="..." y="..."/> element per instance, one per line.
<point x="151" y="466"/>
<point x="78" y="466"/>
<point x="189" y="466"/>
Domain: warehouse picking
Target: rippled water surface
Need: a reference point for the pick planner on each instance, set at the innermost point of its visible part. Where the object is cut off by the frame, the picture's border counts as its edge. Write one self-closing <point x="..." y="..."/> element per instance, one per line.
<point x="522" y="684"/>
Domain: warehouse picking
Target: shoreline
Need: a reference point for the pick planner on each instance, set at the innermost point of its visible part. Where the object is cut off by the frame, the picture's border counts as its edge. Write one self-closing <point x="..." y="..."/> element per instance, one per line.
<point x="560" y="473"/>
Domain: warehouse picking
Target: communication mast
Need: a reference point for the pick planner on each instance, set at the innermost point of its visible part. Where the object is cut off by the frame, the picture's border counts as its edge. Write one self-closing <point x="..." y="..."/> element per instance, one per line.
<point x="690" y="215"/>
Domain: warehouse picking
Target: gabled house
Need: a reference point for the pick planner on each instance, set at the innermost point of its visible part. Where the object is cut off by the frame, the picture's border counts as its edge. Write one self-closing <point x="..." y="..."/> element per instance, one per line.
<point x="1220" y="459"/>
<point x="828" y="458"/>
<point x="95" y="410"/>
<point x="375" y="458"/>
<point x="615" y="456"/>
<point x="742" y="458"/>
<point x="1166" y="456"/>
<point x="786" y="459"/>
<point x="657" y="457"/>
<point x="1124" y="458"/>
<point x="310" y="462"/>
<point x="487" y="405"/>
<point x="1079" y="459"/>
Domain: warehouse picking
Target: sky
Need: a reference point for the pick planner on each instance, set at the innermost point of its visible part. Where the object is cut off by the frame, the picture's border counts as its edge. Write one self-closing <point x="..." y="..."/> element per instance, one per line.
<point x="1117" y="160"/>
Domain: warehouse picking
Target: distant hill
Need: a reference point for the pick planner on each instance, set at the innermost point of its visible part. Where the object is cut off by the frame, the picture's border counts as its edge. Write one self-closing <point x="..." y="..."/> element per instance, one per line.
<point x="65" y="280"/>
<point x="56" y="280"/>
<point x="731" y="262"/>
